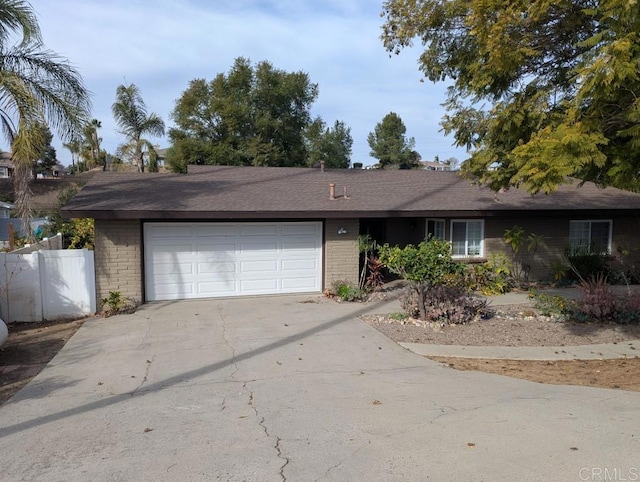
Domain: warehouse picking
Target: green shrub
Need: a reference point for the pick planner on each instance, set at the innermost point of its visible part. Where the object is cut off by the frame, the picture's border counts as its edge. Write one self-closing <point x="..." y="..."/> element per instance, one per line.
<point x="346" y="291"/>
<point x="492" y="277"/>
<point x="585" y="264"/>
<point x="597" y="303"/>
<point x="629" y="309"/>
<point x="551" y="305"/>
<point x="398" y="316"/>
<point x="445" y="304"/>
<point x="424" y="266"/>
<point x="117" y="304"/>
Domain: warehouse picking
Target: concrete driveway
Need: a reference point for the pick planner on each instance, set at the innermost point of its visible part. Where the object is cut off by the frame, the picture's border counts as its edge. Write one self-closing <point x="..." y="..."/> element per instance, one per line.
<point x="296" y="388"/>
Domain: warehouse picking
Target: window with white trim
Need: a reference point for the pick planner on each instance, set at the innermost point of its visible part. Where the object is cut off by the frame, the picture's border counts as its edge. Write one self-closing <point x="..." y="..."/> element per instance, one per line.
<point x="467" y="237"/>
<point x="591" y="236"/>
<point x="435" y="229"/>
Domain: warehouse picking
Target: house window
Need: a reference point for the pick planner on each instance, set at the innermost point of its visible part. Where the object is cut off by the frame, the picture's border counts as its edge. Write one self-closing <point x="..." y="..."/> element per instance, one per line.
<point x="435" y="229"/>
<point x="467" y="237"/>
<point x="590" y="236"/>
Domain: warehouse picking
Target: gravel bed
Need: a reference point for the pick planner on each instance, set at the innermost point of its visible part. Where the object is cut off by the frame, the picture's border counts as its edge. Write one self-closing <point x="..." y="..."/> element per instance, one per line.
<point x="512" y="325"/>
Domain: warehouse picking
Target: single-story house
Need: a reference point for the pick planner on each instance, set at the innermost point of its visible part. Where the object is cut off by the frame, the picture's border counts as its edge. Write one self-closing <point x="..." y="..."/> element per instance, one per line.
<point x="234" y="231"/>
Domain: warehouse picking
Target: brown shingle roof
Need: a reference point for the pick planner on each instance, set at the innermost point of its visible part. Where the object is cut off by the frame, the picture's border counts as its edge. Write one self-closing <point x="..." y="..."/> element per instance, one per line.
<point x="225" y="192"/>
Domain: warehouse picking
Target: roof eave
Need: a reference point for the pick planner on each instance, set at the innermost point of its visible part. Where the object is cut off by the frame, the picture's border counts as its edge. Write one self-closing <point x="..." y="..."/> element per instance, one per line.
<point x="319" y="214"/>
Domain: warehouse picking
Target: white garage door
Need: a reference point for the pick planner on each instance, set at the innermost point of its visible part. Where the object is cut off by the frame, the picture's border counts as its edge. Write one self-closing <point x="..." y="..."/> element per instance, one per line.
<point x="205" y="260"/>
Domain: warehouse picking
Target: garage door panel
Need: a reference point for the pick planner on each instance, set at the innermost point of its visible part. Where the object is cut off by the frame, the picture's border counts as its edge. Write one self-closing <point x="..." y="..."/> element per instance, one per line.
<point x="302" y="264"/>
<point x="293" y="284"/>
<point x="211" y="289"/>
<point x="300" y="229"/>
<point x="259" y="286"/>
<point x="212" y="251"/>
<point x="259" y="247"/>
<point x="164" y="247"/>
<point x="258" y="229"/>
<point x="181" y="290"/>
<point x="222" y="267"/>
<point x="258" y="266"/>
<point x="199" y="260"/>
<point x="216" y="230"/>
<point x="300" y="245"/>
<point x="176" y="268"/>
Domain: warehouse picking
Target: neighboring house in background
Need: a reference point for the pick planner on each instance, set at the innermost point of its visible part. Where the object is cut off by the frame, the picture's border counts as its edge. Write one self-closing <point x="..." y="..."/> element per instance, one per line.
<point x="234" y="231"/>
<point x="7" y="168"/>
<point x="162" y="154"/>
<point x="6" y="165"/>
<point x="5" y="230"/>
<point x="435" y="166"/>
<point x="5" y="210"/>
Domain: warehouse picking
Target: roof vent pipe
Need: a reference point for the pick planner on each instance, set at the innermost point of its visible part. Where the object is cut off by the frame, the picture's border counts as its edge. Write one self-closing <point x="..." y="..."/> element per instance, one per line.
<point x="322" y="166"/>
<point x="332" y="191"/>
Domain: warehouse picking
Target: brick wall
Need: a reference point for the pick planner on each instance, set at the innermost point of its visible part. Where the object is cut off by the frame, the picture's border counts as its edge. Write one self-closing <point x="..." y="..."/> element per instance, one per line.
<point x="341" y="256"/>
<point x="626" y="238"/>
<point x="555" y="231"/>
<point x="118" y="258"/>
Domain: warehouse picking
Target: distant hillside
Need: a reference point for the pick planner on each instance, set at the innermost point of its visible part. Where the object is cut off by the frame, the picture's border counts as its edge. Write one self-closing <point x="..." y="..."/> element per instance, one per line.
<point x="45" y="191"/>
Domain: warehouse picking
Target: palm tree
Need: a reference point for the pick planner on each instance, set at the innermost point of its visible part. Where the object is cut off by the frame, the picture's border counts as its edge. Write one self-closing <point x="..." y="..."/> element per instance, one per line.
<point x="37" y="87"/>
<point x="130" y="114"/>
<point x="91" y="144"/>
<point x="74" y="148"/>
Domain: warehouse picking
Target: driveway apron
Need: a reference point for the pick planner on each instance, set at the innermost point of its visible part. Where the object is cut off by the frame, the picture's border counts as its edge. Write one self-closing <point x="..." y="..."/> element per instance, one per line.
<point x="296" y="388"/>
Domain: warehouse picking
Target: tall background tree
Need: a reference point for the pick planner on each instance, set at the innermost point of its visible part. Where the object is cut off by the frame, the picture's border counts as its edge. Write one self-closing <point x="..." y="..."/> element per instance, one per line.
<point x="331" y="145"/>
<point x="90" y="151"/>
<point x="390" y="145"/>
<point x="47" y="160"/>
<point x="73" y="146"/>
<point x="133" y="119"/>
<point x="37" y="87"/>
<point x="253" y="116"/>
<point x="540" y="90"/>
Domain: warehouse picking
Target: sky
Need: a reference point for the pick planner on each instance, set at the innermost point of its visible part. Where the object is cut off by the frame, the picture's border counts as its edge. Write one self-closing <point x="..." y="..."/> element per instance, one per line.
<point x="161" y="45"/>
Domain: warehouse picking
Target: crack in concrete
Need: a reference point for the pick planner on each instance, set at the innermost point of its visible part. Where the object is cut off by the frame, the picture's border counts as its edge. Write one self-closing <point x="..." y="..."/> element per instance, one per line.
<point x="146" y="376"/>
<point x="335" y="466"/>
<point x="227" y="342"/>
<point x="266" y="432"/>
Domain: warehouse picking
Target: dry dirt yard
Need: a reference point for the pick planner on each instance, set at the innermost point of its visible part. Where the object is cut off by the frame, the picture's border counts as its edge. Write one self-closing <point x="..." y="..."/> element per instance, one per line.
<point x="521" y="325"/>
<point x="28" y="349"/>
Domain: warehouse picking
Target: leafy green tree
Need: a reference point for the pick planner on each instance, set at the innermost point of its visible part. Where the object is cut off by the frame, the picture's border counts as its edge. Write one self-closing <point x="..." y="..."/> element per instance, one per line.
<point x="389" y="144"/>
<point x="424" y="266"/>
<point x="331" y="145"/>
<point x="254" y="115"/>
<point x="76" y="233"/>
<point x="37" y="87"/>
<point x="47" y="160"/>
<point x="540" y="90"/>
<point x="133" y="119"/>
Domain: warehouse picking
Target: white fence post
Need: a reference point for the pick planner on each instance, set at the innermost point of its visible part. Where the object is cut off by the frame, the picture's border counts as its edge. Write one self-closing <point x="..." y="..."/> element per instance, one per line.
<point x="47" y="285"/>
<point x="20" y="282"/>
<point x="68" y="282"/>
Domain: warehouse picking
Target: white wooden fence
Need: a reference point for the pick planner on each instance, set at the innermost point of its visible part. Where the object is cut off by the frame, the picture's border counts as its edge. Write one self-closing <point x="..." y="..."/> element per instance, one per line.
<point x="47" y="285"/>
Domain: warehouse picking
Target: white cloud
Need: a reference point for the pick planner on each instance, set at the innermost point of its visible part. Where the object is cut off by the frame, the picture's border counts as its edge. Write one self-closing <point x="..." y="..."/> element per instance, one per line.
<point x="161" y="45"/>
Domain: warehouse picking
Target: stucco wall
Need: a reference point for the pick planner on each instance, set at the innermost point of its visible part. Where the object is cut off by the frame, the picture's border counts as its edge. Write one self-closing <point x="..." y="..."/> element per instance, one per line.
<point x="118" y="258"/>
<point x="341" y="256"/>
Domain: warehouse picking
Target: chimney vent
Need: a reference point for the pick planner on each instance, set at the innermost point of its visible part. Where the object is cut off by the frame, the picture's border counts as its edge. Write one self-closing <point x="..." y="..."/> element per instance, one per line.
<point x="332" y="191"/>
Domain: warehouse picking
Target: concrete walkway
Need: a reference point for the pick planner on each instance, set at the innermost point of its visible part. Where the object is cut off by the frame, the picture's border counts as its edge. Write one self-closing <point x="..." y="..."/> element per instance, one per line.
<point x="295" y="388"/>
<point x="626" y="349"/>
